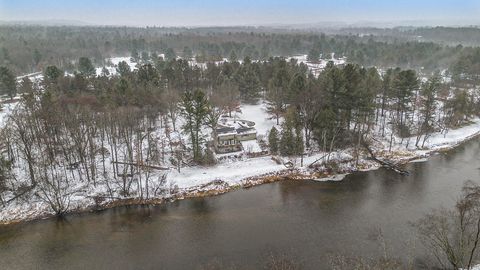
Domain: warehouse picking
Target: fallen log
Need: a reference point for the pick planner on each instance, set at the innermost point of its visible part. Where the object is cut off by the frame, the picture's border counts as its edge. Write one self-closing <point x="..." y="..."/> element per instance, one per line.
<point x="321" y="158"/>
<point x="23" y="192"/>
<point x="388" y="164"/>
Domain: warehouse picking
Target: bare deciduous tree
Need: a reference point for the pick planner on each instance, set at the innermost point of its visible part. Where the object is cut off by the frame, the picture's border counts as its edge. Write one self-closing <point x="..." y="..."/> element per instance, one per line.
<point x="452" y="236"/>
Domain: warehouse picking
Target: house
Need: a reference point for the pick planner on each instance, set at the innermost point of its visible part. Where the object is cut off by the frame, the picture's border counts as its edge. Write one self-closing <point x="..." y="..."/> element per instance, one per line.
<point x="228" y="136"/>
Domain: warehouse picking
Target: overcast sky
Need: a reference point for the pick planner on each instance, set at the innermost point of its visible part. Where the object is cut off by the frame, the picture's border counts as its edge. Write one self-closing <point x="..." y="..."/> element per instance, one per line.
<point x="241" y="12"/>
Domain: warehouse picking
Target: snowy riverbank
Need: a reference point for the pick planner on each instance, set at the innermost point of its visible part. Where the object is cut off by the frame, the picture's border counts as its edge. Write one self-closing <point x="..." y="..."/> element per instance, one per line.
<point x="230" y="175"/>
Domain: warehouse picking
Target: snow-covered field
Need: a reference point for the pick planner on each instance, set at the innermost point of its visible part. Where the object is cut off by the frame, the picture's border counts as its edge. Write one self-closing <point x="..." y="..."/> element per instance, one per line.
<point x="316" y="68"/>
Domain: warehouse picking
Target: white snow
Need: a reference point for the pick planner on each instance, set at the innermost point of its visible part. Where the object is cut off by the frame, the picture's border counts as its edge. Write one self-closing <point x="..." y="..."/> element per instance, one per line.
<point x="335" y="177"/>
<point x="232" y="172"/>
<point x="316" y="68"/>
<point x="112" y="64"/>
<point x="258" y="114"/>
<point x="251" y="146"/>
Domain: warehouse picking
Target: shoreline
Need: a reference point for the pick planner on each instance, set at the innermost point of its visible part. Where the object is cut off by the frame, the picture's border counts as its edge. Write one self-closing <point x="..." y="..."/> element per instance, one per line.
<point x="219" y="187"/>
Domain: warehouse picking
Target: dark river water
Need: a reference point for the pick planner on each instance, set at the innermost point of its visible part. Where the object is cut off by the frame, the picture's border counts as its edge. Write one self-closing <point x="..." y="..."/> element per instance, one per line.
<point x="307" y="221"/>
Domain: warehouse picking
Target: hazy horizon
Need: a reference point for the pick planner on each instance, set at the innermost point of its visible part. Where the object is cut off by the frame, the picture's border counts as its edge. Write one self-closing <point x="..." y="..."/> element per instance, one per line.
<point x="193" y="13"/>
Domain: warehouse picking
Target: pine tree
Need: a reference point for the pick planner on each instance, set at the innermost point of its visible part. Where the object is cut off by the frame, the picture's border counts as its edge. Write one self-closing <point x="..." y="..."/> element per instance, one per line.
<point x="194" y="108"/>
<point x="52" y="73"/>
<point x="26" y="86"/>
<point x="105" y="72"/>
<point x="287" y="140"/>
<point x="123" y="68"/>
<point x="85" y="67"/>
<point x="277" y="92"/>
<point x="273" y="140"/>
<point x="36" y="57"/>
<point x="313" y="55"/>
<point x="135" y="55"/>
<point x="8" y="85"/>
<point x="427" y="111"/>
<point x="299" y="144"/>
<point x="170" y="54"/>
<point x="405" y="84"/>
<point x="248" y="83"/>
<point x="233" y="56"/>
<point x="187" y="53"/>
<point x="458" y="108"/>
<point x="297" y="88"/>
<point x="145" y="57"/>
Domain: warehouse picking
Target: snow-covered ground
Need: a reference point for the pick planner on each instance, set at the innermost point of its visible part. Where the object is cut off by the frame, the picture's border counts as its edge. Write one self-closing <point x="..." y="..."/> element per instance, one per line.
<point x="5" y="111"/>
<point x="112" y="64"/>
<point x="316" y="68"/>
<point x="234" y="172"/>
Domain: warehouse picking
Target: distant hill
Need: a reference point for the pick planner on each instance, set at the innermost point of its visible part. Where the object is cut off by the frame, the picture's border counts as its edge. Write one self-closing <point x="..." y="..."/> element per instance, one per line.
<point x="46" y="22"/>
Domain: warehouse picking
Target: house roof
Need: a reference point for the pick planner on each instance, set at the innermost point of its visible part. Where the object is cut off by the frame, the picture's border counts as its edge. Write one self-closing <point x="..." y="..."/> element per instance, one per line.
<point x="246" y="130"/>
<point x="223" y="131"/>
<point x="227" y="128"/>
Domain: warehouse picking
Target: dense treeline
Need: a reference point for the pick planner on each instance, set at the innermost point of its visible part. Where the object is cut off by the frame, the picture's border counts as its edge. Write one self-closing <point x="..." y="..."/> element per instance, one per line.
<point x="453" y="36"/>
<point x="467" y="67"/>
<point x="31" y="48"/>
<point x="120" y="131"/>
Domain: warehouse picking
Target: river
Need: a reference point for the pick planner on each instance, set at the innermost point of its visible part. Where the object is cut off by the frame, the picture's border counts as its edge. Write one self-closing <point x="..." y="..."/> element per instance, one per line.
<point x="305" y="220"/>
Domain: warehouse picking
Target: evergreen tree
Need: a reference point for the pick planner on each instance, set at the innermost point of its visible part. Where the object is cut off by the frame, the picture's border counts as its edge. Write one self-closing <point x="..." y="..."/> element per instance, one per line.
<point x="428" y="108"/>
<point x="187" y="53"/>
<point x="135" y="55"/>
<point x="291" y="141"/>
<point x="287" y="139"/>
<point x="297" y="89"/>
<point x="194" y="108"/>
<point x="8" y="85"/>
<point x="170" y="54"/>
<point x="313" y="55"/>
<point x="26" y="86"/>
<point x="233" y="56"/>
<point x="105" y="72"/>
<point x="147" y="74"/>
<point x="37" y="56"/>
<point x="273" y="141"/>
<point x="458" y="108"/>
<point x="52" y="73"/>
<point x="248" y="83"/>
<point x="145" y="57"/>
<point x="325" y="128"/>
<point x="406" y="82"/>
<point x="85" y="67"/>
<point x="123" y="68"/>
<point x="277" y="92"/>
<point x="299" y="142"/>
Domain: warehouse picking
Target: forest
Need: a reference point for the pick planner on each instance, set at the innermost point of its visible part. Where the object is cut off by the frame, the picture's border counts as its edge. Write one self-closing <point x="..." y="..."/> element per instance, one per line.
<point x="26" y="49"/>
<point x="71" y="133"/>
